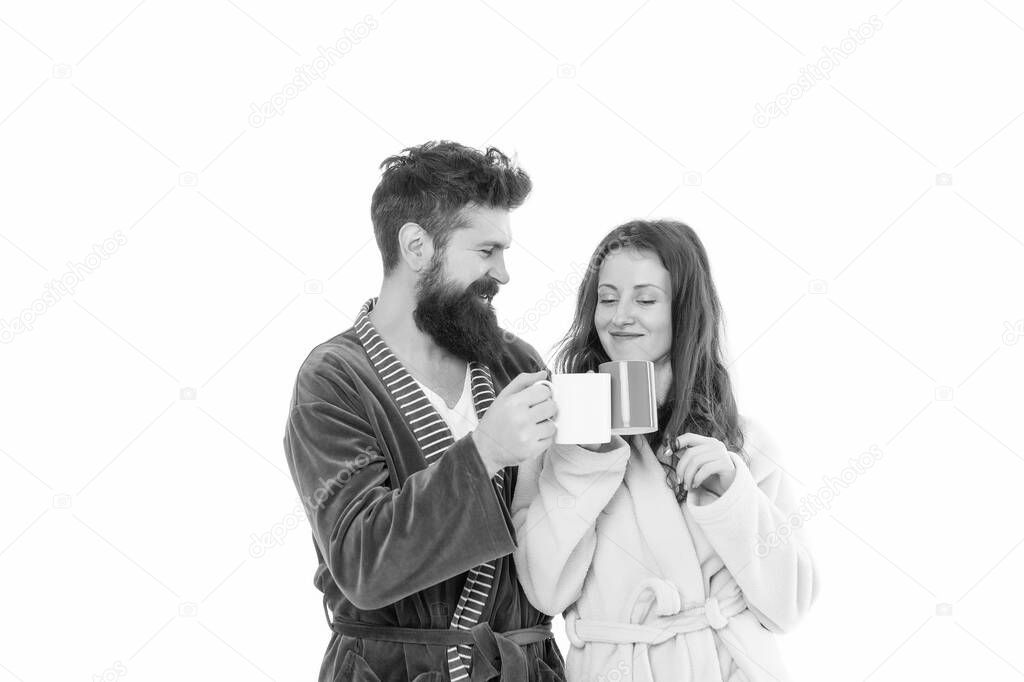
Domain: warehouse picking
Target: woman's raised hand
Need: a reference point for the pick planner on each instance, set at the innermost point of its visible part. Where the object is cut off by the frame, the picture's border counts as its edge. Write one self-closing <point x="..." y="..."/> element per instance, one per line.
<point x="704" y="462"/>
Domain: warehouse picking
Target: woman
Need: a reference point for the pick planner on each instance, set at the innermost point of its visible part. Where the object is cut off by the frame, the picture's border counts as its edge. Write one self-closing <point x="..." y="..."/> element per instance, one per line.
<point x="653" y="547"/>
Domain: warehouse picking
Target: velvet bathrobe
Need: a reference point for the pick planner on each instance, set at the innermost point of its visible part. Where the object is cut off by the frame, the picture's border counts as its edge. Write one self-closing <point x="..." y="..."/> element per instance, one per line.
<point x="655" y="590"/>
<point x="409" y="529"/>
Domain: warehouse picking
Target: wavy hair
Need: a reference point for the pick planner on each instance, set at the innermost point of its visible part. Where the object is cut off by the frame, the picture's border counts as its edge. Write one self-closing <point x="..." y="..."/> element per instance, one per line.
<point x="429" y="185"/>
<point x="700" y="399"/>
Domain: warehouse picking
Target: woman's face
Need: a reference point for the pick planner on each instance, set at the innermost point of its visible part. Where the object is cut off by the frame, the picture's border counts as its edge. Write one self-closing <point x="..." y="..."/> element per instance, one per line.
<point x="634" y="306"/>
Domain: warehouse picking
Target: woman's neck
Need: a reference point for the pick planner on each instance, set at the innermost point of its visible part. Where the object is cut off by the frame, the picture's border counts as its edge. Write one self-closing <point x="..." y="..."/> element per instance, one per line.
<point x="662" y="379"/>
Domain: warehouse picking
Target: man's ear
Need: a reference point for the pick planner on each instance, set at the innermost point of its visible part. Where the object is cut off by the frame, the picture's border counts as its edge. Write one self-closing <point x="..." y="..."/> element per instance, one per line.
<point x="415" y="246"/>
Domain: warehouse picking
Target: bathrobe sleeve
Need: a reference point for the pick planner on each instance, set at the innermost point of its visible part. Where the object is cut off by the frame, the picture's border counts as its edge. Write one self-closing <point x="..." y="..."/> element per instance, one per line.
<point x="557" y="500"/>
<point x="382" y="544"/>
<point x="755" y="528"/>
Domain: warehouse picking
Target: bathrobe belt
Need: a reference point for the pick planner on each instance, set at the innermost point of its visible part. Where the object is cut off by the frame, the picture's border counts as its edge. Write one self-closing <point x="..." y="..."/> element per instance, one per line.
<point x="496" y="652"/>
<point x="713" y="613"/>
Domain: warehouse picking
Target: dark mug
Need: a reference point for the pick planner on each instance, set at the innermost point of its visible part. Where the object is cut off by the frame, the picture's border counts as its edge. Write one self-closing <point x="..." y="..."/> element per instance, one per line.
<point x="634" y="399"/>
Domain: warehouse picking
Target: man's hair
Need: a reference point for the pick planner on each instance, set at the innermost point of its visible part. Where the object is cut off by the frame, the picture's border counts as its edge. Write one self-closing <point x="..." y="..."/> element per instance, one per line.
<point x="429" y="185"/>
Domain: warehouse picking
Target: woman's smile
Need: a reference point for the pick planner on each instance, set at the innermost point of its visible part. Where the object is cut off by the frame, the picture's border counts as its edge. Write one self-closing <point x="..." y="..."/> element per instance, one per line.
<point x="633" y="314"/>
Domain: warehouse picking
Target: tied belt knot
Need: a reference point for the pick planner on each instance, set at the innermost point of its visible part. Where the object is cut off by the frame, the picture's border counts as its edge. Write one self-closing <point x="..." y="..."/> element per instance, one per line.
<point x="495" y="654"/>
<point x="672" y="619"/>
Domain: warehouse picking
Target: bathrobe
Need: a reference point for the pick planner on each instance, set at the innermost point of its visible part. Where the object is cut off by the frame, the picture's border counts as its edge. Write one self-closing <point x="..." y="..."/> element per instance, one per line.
<point x="655" y="590"/>
<point x="409" y="529"/>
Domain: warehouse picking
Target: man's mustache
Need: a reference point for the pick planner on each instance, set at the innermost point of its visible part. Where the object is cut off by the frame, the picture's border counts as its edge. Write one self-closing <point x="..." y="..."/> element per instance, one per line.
<point x="484" y="287"/>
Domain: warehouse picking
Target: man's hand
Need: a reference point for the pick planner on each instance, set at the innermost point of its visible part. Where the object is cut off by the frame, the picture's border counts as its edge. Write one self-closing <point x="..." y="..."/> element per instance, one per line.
<point x="516" y="427"/>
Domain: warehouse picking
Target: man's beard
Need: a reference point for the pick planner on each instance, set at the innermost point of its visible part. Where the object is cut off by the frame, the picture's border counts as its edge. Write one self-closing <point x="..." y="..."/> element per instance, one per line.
<point x="459" y="321"/>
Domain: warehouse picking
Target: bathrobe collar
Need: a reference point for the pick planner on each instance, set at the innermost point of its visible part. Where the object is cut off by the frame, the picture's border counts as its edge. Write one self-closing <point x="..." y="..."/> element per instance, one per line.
<point x="660" y="519"/>
<point x="431" y="431"/>
<point x="434" y="437"/>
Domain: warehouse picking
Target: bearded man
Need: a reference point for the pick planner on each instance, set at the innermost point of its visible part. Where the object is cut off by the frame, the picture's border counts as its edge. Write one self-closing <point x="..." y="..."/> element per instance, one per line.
<point x="405" y="433"/>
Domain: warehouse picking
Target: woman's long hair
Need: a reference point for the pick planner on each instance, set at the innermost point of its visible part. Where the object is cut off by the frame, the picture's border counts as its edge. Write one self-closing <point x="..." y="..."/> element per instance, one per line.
<point x="700" y="399"/>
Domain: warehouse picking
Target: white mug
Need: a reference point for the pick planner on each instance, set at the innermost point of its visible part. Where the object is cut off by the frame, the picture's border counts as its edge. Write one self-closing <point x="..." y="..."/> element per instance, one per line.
<point x="584" y="404"/>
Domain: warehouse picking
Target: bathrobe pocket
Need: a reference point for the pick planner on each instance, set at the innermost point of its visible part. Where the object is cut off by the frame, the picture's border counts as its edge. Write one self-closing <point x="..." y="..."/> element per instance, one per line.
<point x="544" y="673"/>
<point x="354" y="667"/>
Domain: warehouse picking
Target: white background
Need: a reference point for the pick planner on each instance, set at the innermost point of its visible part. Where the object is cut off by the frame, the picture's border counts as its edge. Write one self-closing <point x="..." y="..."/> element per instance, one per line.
<point x="867" y="246"/>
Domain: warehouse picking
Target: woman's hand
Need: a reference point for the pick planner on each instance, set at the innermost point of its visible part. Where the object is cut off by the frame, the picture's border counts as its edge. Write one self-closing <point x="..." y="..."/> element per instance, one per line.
<point x="704" y="462"/>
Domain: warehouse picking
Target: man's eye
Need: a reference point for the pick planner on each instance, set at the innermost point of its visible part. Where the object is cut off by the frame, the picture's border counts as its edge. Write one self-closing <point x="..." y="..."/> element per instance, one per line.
<point x="487" y="252"/>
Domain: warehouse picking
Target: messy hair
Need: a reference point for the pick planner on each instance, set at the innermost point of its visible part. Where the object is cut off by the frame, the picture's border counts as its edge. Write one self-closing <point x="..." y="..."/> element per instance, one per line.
<point x="430" y="184"/>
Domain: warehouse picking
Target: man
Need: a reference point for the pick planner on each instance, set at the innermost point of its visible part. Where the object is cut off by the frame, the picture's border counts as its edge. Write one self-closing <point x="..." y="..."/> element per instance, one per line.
<point x="405" y="432"/>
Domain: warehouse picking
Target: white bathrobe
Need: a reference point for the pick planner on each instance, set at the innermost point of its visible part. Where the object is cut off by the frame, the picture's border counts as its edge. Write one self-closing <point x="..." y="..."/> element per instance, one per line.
<point x="654" y="590"/>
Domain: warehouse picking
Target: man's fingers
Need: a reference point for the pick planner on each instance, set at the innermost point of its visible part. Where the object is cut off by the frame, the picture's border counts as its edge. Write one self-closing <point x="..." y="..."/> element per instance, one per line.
<point x="546" y="409"/>
<point x="546" y="430"/>
<point x="523" y="381"/>
<point x="537" y="393"/>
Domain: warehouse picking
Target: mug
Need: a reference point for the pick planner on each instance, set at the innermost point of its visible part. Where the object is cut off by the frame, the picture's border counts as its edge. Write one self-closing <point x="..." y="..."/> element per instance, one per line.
<point x="619" y="398"/>
<point x="584" y="407"/>
<point x="634" y="402"/>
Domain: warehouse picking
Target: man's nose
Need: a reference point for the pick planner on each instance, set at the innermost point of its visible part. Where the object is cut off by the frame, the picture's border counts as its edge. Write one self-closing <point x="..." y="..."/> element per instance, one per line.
<point x="498" y="271"/>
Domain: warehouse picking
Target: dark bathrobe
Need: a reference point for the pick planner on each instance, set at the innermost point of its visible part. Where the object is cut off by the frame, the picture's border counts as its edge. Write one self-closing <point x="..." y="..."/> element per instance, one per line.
<point x="402" y="514"/>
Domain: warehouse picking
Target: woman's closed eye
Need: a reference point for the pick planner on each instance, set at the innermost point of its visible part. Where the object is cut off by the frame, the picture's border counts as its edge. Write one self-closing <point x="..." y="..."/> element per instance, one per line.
<point x="643" y="301"/>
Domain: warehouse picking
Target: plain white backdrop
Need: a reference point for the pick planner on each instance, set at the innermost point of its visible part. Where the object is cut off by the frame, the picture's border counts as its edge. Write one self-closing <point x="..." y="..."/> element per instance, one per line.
<point x="171" y="249"/>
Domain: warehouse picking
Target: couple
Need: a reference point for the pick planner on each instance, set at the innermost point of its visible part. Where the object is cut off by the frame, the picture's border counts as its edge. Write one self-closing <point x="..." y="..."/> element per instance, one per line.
<point x="449" y="527"/>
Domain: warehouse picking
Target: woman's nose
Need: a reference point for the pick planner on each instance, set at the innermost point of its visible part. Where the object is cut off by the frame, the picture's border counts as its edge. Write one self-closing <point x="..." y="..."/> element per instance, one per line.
<point x="623" y="315"/>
